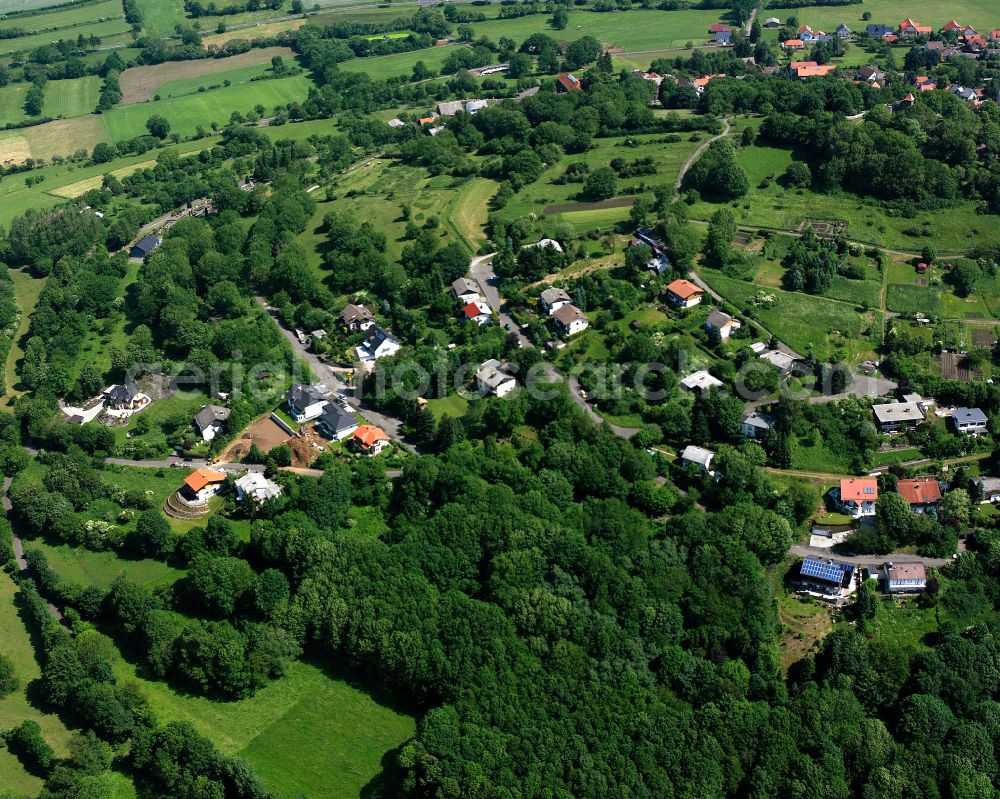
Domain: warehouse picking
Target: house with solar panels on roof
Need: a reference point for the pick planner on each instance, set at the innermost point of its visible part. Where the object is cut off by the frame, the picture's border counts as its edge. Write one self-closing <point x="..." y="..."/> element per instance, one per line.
<point x="827" y="580"/>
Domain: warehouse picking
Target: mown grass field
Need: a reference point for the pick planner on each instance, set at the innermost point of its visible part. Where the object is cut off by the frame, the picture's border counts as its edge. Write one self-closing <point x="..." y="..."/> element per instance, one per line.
<point x="56" y="18"/>
<point x="81" y="187"/>
<point x="16" y="197"/>
<point x="144" y="82"/>
<point x="203" y="108"/>
<point x="391" y="66"/>
<point x="111" y="31"/>
<point x="831" y="329"/>
<point x="778" y="208"/>
<point x="16" y="643"/>
<point x="635" y="30"/>
<point x="378" y="191"/>
<point x="71" y="98"/>
<point x="306" y="735"/>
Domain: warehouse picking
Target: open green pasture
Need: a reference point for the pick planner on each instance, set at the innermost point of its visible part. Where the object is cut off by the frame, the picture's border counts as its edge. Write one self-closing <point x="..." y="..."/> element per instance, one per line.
<point x="831" y="329"/>
<point x="71" y="98"/>
<point x="306" y="735"/>
<point x="377" y="190"/>
<point x="634" y="30"/>
<point x="391" y="66"/>
<point x="84" y="566"/>
<point x="203" y="108"/>
<point x="778" y="208"/>
<point x="56" y="18"/>
<point x="183" y="86"/>
<point x="110" y="31"/>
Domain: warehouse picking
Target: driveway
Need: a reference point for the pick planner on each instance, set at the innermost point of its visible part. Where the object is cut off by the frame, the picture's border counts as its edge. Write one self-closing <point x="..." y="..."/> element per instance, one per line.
<point x="481" y="271"/>
<point x="872" y="561"/>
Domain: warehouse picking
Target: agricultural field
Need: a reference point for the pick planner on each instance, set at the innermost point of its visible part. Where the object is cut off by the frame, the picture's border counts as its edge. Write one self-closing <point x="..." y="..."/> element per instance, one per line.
<point x="391" y="66"/>
<point x="776" y="207"/>
<point x="71" y="98"/>
<point x="81" y="187"/>
<point x="830" y="328"/>
<point x="59" y="137"/>
<point x="185" y="114"/>
<point x="113" y="31"/>
<point x="543" y="197"/>
<point x="307" y="734"/>
<point x="144" y="82"/>
<point x="39" y="20"/>
<point x="15" y="642"/>
<point x="630" y="31"/>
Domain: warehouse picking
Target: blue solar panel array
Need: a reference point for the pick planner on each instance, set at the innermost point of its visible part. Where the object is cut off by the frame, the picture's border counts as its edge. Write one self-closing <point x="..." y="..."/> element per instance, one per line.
<point x="831" y="572"/>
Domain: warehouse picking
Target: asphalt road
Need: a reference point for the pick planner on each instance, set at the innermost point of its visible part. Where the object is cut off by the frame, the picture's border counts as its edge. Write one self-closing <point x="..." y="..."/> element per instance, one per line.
<point x="872" y="561"/>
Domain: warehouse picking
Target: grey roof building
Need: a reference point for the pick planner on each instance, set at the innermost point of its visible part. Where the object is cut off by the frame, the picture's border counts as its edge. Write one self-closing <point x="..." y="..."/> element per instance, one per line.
<point x="895" y="415"/>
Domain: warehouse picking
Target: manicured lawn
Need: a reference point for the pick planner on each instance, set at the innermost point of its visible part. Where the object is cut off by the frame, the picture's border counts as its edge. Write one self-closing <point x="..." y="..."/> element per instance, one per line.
<point x="87" y="567"/>
<point x="452" y="405"/>
<point x="803" y="321"/>
<point x="307" y="734"/>
<point x="16" y="643"/>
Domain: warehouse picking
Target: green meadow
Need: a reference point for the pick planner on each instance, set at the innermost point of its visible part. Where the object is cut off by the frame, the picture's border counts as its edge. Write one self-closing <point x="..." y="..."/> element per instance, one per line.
<point x="391" y="66"/>
<point x="829" y="328"/>
<point x="779" y="208"/>
<point x="186" y="113"/>
<point x="560" y="201"/>
<point x="634" y="30"/>
<point x="110" y="31"/>
<point x="307" y="734"/>
<point x="71" y="98"/>
<point x="16" y="643"/>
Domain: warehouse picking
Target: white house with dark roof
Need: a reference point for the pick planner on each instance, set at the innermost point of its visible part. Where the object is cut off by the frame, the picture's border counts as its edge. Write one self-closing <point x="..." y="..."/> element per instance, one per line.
<point x="465" y="290"/>
<point x="337" y="422"/>
<point x="756" y="425"/>
<point x="553" y="299"/>
<point x="987" y="488"/>
<point x="356" y="317"/>
<point x="210" y="421"/>
<point x="969" y="421"/>
<point x="376" y="344"/>
<point x="725" y="324"/>
<point x="493" y="379"/>
<point x="570" y="320"/>
<point x="893" y="417"/>
<point x="305" y="402"/>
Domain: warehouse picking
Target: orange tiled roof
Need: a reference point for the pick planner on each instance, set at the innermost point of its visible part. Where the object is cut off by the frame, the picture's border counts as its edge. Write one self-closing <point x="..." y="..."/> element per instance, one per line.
<point x="202" y="477"/>
<point x="684" y="289"/>
<point x="368" y="435"/>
